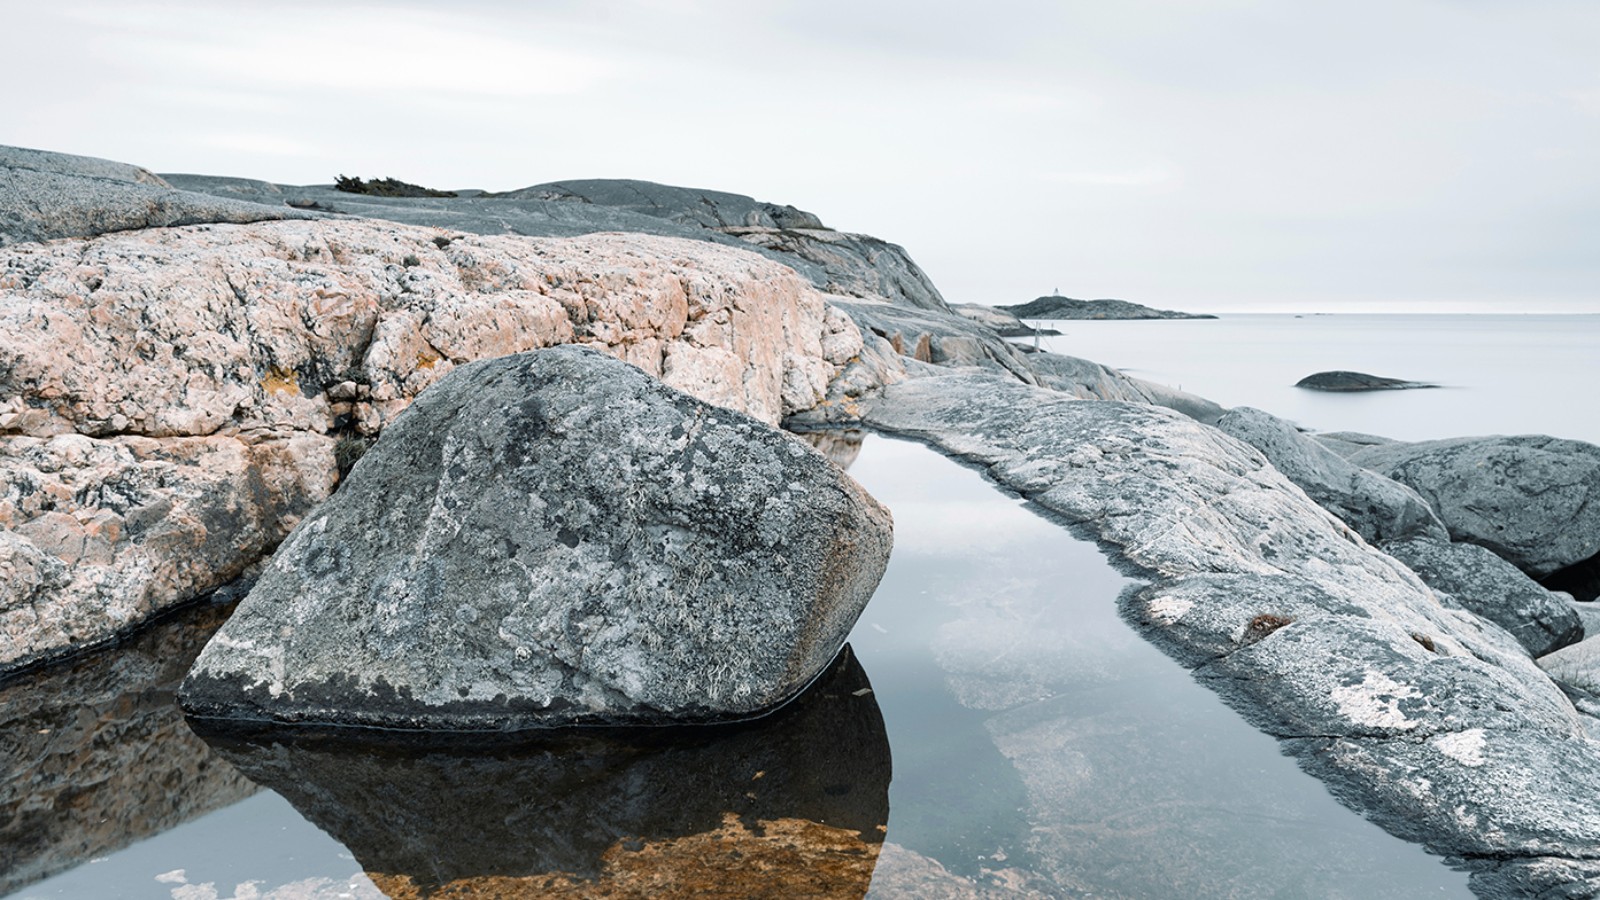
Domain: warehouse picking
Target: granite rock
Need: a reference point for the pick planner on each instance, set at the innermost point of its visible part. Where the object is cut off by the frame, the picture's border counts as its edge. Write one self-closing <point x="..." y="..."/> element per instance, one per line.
<point x="172" y="400"/>
<point x="1432" y="721"/>
<point x="1056" y="306"/>
<point x="1349" y="382"/>
<point x="1377" y="508"/>
<point x="1494" y="589"/>
<point x="1533" y="499"/>
<point x="554" y="538"/>
<point x="54" y="195"/>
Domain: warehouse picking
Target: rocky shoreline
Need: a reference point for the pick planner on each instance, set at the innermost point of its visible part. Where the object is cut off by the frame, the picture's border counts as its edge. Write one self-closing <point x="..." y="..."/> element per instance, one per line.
<point x="172" y="400"/>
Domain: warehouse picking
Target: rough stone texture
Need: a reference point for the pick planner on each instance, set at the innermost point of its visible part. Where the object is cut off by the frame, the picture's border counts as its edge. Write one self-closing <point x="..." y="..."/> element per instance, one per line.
<point x="554" y="538"/>
<point x="794" y="801"/>
<point x="1004" y="323"/>
<point x="1494" y="589"/>
<point x="852" y="264"/>
<point x="1345" y="443"/>
<point x="170" y="400"/>
<point x="1377" y="508"/>
<point x="55" y="195"/>
<point x="1533" y="499"/>
<point x="1427" y="718"/>
<point x="1576" y="666"/>
<point x="1058" y="307"/>
<point x="1346" y="382"/>
<point x="96" y="755"/>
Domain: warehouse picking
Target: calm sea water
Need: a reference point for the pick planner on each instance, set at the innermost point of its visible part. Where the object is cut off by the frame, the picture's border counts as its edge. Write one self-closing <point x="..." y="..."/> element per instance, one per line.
<point x="1500" y="374"/>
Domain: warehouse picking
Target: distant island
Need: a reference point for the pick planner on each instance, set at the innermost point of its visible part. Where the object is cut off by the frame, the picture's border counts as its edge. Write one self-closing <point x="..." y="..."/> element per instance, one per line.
<point x="1058" y="307"/>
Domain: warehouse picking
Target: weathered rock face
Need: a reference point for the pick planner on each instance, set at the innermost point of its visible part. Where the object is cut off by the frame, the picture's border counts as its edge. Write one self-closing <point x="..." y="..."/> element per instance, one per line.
<point x="1346" y="443"/>
<point x="1348" y="382"/>
<point x="1004" y="323"/>
<point x="54" y="195"/>
<point x="1429" y="719"/>
<point x="791" y="805"/>
<point x="1492" y="588"/>
<point x="1534" y="500"/>
<point x="555" y="538"/>
<point x="97" y="756"/>
<point x="1377" y="508"/>
<point x="171" y="400"/>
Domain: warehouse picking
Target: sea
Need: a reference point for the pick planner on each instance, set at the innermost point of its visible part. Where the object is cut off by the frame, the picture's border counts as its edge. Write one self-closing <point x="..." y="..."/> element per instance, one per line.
<point x="1039" y="746"/>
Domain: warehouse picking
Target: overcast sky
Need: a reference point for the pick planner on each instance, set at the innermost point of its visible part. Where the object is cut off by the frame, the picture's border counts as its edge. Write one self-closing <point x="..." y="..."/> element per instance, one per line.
<point x="1197" y="154"/>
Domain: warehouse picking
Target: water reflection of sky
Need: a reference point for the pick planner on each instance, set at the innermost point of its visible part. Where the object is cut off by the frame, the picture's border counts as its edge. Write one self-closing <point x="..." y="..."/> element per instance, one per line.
<point x="1038" y="745"/>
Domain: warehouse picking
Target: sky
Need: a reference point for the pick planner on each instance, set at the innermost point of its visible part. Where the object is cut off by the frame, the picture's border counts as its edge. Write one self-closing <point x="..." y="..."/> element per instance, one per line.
<point x="1207" y="155"/>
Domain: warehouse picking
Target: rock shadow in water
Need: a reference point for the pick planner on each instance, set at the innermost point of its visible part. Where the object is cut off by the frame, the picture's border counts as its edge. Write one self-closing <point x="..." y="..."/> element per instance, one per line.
<point x="793" y="804"/>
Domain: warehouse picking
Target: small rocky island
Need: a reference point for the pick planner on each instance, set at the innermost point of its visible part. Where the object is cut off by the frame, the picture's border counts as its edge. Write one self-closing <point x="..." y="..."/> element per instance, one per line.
<point x="190" y="364"/>
<point x="1351" y="382"/>
<point x="1056" y="306"/>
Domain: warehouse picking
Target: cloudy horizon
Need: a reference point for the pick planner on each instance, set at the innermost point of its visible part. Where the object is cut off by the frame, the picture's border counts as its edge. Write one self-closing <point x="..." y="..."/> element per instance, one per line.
<point x="1219" y="155"/>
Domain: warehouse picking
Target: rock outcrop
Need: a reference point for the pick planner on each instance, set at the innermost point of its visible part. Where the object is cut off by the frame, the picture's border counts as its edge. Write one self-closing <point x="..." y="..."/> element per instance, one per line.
<point x="173" y="400"/>
<point x="1533" y="499"/>
<point x="555" y="538"/>
<point x="1426" y="718"/>
<point x="1377" y="508"/>
<point x="1494" y="589"/>
<point x="792" y="805"/>
<point x="1004" y="323"/>
<point x="54" y="195"/>
<point x="1349" y="382"/>
<point x="1056" y="306"/>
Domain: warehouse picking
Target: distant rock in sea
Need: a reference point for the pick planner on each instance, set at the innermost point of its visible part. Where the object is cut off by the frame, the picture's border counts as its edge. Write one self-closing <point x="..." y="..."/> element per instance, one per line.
<point x="1344" y="382"/>
<point x="1058" y="307"/>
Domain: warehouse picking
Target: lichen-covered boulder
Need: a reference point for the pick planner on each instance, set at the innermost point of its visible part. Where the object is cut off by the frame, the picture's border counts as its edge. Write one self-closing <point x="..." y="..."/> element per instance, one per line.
<point x="554" y="538"/>
<point x="1533" y="499"/>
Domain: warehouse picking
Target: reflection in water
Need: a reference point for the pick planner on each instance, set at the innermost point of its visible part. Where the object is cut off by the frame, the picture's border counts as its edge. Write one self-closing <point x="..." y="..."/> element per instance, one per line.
<point x="841" y="447"/>
<point x="95" y="753"/>
<point x="792" y="805"/>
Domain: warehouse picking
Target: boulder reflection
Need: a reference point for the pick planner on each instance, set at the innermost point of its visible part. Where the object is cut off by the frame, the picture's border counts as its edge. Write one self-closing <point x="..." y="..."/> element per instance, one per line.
<point x="841" y="447"/>
<point x="795" y="804"/>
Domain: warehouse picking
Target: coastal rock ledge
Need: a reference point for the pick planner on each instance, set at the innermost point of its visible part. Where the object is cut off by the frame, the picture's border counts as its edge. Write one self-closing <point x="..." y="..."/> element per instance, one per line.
<point x="555" y="538"/>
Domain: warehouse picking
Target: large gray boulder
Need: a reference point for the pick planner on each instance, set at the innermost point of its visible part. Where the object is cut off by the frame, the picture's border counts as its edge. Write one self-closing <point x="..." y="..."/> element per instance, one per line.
<point x="1533" y="499"/>
<point x="1493" y="588"/>
<point x="1376" y="507"/>
<point x="554" y="538"/>
<point x="53" y="195"/>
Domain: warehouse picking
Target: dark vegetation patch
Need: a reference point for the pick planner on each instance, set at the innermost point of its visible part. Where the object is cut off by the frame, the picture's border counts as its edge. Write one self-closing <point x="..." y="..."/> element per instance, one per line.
<point x="386" y="187"/>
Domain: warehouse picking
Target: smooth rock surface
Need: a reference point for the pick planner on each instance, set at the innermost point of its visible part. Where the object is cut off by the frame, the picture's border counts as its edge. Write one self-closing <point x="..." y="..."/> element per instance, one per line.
<point x="1345" y="443"/>
<point x="54" y="195"/>
<point x="1494" y="589"/>
<point x="1377" y="508"/>
<point x="554" y="538"/>
<point x="1346" y="382"/>
<point x="1533" y="499"/>
<point x="1004" y="323"/>
<point x="1428" y="719"/>
<point x="172" y="400"/>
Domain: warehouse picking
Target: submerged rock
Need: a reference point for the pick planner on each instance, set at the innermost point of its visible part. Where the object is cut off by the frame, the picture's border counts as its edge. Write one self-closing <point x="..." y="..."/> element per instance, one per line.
<point x="1493" y="588"/>
<point x="792" y="805"/>
<point x="1344" y="382"/>
<point x="1377" y="508"/>
<point x="554" y="538"/>
<point x="1533" y="499"/>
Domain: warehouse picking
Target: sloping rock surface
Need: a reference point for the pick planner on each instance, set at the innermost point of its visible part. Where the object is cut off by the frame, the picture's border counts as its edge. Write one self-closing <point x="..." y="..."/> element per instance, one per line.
<point x="1377" y="508"/>
<point x="1428" y="719"/>
<point x="1533" y="499"/>
<point x="54" y="195"/>
<point x="837" y="262"/>
<point x="171" y="400"/>
<point x="1493" y="588"/>
<point x="554" y="538"/>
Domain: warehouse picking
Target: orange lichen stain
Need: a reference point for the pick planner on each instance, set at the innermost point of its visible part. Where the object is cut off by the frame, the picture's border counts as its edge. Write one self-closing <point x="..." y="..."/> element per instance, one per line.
<point x="280" y="381"/>
<point x="426" y="360"/>
<point x="777" y="858"/>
